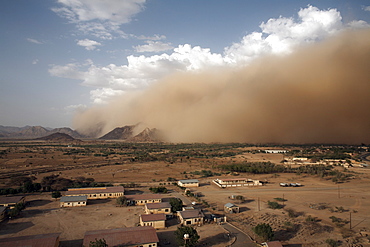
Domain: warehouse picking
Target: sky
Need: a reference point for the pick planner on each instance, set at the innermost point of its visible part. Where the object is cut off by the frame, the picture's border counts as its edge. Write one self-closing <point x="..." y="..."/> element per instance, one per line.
<point x="60" y="58"/>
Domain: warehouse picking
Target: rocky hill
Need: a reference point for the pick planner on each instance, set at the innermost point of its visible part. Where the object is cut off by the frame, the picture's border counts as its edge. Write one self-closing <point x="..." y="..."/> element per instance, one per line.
<point x="147" y="135"/>
<point x="57" y="137"/>
<point x="31" y="132"/>
<point x="120" y="133"/>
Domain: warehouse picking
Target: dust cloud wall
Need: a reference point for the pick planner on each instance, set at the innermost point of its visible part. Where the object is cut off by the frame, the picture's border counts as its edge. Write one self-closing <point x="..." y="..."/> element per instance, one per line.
<point x="318" y="94"/>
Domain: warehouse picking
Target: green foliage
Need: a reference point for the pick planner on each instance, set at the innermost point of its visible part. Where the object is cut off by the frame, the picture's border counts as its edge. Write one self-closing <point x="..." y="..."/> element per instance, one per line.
<point x="311" y="219"/>
<point x="279" y="199"/>
<point x="160" y="189"/>
<point x="16" y="210"/>
<point x="56" y="194"/>
<point x="292" y="213"/>
<point x="273" y="205"/>
<point x="176" y="204"/>
<point x="332" y="242"/>
<point x="191" y="241"/>
<point x="264" y="231"/>
<point x="98" y="243"/>
<point x="121" y="201"/>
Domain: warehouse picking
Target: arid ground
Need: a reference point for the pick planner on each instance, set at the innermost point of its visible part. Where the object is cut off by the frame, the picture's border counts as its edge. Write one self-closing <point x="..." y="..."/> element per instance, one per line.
<point x="305" y="219"/>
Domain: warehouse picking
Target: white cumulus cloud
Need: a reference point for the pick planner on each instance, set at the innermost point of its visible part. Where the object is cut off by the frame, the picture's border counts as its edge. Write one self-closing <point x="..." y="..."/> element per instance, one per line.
<point x="277" y="36"/>
<point x="153" y="46"/>
<point x="35" y="41"/>
<point x="88" y="44"/>
<point x="98" y="17"/>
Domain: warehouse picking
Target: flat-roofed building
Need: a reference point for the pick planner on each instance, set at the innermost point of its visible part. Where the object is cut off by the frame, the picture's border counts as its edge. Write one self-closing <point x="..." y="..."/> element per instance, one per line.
<point x="236" y="182"/>
<point x="97" y="192"/>
<point x="191" y="217"/>
<point x="158" y="221"/>
<point x="231" y="208"/>
<point x="158" y="208"/>
<point x="145" y="236"/>
<point x="73" y="201"/>
<point x="188" y="183"/>
<point x="41" y="240"/>
<point x="11" y="201"/>
<point x="143" y="199"/>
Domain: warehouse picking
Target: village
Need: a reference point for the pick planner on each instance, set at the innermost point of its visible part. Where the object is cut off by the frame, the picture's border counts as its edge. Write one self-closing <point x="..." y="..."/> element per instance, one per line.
<point x="223" y="208"/>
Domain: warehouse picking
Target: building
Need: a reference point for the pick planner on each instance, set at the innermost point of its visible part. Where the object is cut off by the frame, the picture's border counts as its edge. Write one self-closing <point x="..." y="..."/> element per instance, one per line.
<point x="191" y="217"/>
<point x="188" y="183"/>
<point x="10" y="201"/>
<point x="158" y="208"/>
<point x="275" y="151"/>
<point x="158" y="221"/>
<point x="73" y="201"/>
<point x="42" y="240"/>
<point x="145" y="236"/>
<point x="98" y="192"/>
<point x="236" y="182"/>
<point x="143" y="199"/>
<point x="2" y="212"/>
<point x="231" y="208"/>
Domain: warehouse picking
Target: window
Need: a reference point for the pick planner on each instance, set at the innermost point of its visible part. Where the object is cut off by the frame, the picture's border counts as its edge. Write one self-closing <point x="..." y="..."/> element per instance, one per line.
<point x="166" y="210"/>
<point x="78" y="202"/>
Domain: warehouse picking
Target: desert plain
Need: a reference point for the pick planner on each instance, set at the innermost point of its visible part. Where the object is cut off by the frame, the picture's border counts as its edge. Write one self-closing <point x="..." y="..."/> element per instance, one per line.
<point x="318" y="210"/>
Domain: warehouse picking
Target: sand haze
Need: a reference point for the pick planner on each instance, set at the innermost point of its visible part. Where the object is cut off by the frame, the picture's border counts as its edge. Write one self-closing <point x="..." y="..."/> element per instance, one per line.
<point x="318" y="94"/>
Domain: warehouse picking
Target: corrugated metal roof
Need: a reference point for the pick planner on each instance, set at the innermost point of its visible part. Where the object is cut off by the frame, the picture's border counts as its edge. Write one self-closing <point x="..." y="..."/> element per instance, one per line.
<point x="10" y="199"/>
<point x="158" y="205"/>
<point x="144" y="197"/>
<point x="123" y="236"/>
<point x="189" y="214"/>
<point x="73" y="198"/>
<point x="97" y="190"/>
<point x="42" y="240"/>
<point x="185" y="181"/>
<point x="152" y="217"/>
<point x="229" y="205"/>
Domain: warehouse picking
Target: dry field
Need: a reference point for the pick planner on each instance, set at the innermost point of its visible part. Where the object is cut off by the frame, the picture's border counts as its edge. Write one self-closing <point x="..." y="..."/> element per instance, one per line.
<point x="43" y="214"/>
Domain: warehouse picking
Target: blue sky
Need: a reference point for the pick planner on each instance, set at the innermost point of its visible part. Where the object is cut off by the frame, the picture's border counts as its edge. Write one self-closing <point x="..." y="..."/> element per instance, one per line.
<point x="58" y="57"/>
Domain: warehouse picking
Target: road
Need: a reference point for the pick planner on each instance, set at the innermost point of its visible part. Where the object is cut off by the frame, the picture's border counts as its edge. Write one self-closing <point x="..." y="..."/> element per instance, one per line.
<point x="242" y="239"/>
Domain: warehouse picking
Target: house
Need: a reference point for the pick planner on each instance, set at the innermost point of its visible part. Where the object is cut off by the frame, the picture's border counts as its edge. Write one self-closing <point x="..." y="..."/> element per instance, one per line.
<point x="157" y="221"/>
<point x="97" y="192"/>
<point x="73" y="201"/>
<point x="42" y="240"/>
<point x="231" y="208"/>
<point x="143" y="199"/>
<point x="188" y="183"/>
<point x="191" y="217"/>
<point x="10" y="201"/>
<point x="158" y="208"/>
<point x="145" y="236"/>
<point x="236" y="182"/>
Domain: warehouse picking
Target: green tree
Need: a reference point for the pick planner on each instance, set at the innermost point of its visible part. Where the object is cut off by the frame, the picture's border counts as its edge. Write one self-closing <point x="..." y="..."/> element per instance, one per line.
<point x="273" y="205"/>
<point x="56" y="194"/>
<point x="264" y="231"/>
<point x="176" y="204"/>
<point x="98" y="243"/>
<point x="331" y="242"/>
<point x="191" y="234"/>
<point x="121" y="201"/>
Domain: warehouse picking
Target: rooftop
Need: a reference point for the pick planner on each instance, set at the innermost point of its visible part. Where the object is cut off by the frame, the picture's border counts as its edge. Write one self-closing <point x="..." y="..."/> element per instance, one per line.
<point x="123" y="236"/>
<point x="185" y="181"/>
<point x="230" y="205"/>
<point x="73" y="198"/>
<point x="95" y="190"/>
<point x="144" y="197"/>
<point x="10" y="199"/>
<point x="158" y="205"/>
<point x="152" y="217"/>
<point x="188" y="214"/>
<point x="42" y="240"/>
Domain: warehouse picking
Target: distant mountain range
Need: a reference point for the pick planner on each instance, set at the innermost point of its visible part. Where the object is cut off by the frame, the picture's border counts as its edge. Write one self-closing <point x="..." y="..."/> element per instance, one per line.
<point x="126" y="133"/>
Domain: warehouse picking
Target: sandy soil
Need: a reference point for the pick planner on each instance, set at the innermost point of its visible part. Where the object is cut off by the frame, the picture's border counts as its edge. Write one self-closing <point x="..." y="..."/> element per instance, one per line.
<point x="43" y="214"/>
